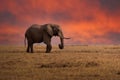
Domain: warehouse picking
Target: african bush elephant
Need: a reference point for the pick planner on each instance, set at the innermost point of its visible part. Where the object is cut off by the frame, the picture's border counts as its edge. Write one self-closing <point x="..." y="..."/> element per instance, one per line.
<point x="43" y="33"/>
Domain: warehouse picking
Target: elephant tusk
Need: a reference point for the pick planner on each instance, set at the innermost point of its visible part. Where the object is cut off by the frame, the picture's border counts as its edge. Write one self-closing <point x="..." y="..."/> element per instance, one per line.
<point x="66" y="38"/>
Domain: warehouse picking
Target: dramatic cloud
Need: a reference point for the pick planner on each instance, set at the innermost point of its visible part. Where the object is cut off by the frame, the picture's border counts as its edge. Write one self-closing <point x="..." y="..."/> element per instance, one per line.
<point x="85" y="21"/>
<point x="114" y="37"/>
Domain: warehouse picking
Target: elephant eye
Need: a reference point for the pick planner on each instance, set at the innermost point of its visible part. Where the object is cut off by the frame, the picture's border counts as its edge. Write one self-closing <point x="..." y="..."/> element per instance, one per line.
<point x="54" y="29"/>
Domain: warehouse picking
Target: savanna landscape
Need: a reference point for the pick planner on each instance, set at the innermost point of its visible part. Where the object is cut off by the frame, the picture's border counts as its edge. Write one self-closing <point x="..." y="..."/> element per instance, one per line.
<point x="92" y="22"/>
<point x="82" y="62"/>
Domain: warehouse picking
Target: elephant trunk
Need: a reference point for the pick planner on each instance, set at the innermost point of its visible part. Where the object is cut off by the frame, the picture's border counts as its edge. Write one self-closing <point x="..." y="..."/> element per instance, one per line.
<point x="61" y="46"/>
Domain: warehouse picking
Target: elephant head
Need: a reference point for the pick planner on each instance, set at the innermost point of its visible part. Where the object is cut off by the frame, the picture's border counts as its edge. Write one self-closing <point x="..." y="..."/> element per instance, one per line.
<point x="55" y="30"/>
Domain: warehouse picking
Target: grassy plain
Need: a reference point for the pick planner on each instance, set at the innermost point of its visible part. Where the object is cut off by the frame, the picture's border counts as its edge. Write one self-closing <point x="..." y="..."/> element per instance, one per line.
<point x="85" y="62"/>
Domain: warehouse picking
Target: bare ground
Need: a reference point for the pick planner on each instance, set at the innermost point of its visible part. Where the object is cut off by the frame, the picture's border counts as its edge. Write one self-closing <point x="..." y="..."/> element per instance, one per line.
<point x="72" y="63"/>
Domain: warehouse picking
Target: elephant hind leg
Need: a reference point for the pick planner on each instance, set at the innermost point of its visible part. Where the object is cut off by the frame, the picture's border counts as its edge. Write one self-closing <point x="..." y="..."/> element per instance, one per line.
<point x="30" y="47"/>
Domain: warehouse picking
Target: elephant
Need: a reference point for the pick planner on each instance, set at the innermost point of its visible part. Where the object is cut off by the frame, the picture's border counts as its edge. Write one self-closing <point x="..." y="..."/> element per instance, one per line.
<point x="43" y="33"/>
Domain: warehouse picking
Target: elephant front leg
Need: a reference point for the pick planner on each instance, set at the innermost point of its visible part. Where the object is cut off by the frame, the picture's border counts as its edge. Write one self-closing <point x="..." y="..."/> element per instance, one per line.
<point x="47" y="41"/>
<point x="48" y="48"/>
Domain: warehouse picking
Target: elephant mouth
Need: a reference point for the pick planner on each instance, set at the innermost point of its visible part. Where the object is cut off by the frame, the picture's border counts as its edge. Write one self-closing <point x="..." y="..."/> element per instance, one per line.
<point x="55" y="34"/>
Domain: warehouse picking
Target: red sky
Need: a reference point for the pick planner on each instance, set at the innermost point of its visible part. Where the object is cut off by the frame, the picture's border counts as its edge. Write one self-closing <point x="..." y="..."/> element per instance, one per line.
<point x="85" y="21"/>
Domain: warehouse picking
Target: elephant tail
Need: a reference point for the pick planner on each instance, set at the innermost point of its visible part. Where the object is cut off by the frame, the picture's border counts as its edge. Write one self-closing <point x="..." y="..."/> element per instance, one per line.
<point x="66" y="38"/>
<point x="25" y="41"/>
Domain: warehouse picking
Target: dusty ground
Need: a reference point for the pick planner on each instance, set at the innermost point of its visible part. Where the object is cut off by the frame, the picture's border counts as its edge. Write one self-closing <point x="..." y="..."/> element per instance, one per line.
<point x="72" y="63"/>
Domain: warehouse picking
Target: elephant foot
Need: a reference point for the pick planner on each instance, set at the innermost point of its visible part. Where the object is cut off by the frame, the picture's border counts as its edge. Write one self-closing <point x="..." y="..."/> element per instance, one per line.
<point x="27" y="51"/>
<point x="47" y="52"/>
<point x="31" y="52"/>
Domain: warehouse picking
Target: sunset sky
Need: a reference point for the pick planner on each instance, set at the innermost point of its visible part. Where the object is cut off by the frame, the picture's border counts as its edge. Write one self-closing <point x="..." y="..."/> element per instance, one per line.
<point x="85" y="21"/>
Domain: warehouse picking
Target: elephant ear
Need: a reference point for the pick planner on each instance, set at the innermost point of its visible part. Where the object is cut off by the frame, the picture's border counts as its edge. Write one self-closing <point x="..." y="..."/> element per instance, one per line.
<point x="49" y="30"/>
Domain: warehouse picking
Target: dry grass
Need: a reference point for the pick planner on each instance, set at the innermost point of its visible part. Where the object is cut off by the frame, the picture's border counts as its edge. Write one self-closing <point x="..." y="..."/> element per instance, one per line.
<point x="72" y="63"/>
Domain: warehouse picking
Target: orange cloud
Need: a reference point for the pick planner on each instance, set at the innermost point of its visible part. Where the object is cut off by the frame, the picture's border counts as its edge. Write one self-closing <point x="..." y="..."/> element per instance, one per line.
<point x="85" y="21"/>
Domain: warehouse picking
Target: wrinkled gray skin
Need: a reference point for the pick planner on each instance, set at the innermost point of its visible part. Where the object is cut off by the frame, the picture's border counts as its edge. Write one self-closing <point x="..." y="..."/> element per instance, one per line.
<point x="43" y="33"/>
